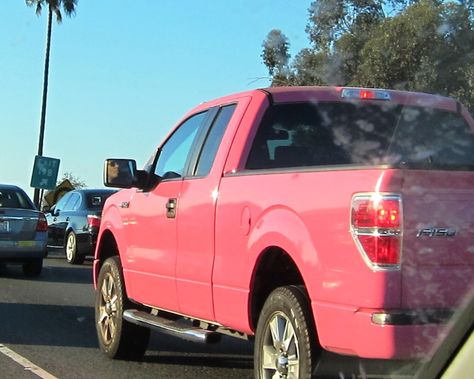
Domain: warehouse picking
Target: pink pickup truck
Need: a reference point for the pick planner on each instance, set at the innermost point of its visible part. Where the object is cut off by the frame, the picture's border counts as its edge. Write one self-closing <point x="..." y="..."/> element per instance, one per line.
<point x="303" y="218"/>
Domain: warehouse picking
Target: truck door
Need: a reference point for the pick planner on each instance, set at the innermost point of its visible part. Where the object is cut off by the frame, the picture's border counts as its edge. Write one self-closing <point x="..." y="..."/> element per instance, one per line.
<point x="151" y="254"/>
<point x="196" y="217"/>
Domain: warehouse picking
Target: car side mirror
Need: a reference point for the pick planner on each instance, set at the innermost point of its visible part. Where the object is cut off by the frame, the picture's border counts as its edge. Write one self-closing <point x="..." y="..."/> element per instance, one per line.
<point x="120" y="173"/>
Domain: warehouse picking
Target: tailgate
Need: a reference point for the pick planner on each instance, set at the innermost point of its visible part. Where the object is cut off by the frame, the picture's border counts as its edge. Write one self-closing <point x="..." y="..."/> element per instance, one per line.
<point x="438" y="240"/>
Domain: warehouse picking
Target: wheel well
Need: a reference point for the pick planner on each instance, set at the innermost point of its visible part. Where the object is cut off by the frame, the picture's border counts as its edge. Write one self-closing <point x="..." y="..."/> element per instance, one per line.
<point x="107" y="248"/>
<point x="275" y="268"/>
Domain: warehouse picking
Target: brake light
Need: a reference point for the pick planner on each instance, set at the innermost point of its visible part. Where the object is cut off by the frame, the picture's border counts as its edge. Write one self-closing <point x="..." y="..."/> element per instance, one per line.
<point x="376" y="213"/>
<point x="365" y="94"/>
<point x="376" y="225"/>
<point x="93" y="221"/>
<point x="42" y="225"/>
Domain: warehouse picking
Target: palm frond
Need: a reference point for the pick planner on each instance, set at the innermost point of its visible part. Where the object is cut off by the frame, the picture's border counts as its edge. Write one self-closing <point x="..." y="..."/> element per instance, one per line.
<point x="38" y="4"/>
<point x="59" y="16"/>
<point x="69" y="6"/>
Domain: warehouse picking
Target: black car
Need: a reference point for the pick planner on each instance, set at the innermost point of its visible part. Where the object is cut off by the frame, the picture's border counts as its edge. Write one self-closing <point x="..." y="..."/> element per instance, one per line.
<point x="74" y="222"/>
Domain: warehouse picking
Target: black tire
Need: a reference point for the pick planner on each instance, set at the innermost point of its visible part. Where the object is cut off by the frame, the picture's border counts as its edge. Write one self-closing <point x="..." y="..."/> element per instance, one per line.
<point x="70" y="249"/>
<point x="286" y="309"/>
<point x="33" y="268"/>
<point x="118" y="338"/>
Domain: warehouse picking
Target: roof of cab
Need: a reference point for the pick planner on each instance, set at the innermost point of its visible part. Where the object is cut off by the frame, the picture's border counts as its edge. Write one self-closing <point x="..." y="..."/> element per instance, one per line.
<point x="333" y="93"/>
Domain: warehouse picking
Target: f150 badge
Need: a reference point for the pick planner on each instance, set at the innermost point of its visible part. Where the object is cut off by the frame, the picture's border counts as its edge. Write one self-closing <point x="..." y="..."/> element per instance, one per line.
<point x="436" y="232"/>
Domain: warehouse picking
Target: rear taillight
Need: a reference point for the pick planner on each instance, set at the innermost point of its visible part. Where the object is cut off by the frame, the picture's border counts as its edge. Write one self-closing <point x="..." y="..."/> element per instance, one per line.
<point x="42" y="225"/>
<point x="376" y="225"/>
<point x="93" y="221"/>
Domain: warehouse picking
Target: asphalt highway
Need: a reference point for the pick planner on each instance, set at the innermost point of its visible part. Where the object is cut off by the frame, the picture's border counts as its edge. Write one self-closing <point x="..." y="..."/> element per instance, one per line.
<point x="47" y="330"/>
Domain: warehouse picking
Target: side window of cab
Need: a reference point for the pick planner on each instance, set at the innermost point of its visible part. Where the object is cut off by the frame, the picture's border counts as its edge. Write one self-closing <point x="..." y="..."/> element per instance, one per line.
<point x="175" y="151"/>
<point x="213" y="139"/>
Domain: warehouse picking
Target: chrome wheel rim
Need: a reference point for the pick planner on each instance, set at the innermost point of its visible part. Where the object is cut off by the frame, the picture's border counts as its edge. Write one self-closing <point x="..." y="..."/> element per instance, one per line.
<point x="70" y="246"/>
<point x="280" y="355"/>
<point x="108" y="310"/>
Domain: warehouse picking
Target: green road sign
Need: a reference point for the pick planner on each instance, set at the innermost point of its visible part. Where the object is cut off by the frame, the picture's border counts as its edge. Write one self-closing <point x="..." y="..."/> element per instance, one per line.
<point x="45" y="172"/>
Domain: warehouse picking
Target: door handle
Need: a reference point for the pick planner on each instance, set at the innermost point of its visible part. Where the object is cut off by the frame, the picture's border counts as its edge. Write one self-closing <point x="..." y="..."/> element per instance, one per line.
<point x="171" y="208"/>
<point x="67" y="218"/>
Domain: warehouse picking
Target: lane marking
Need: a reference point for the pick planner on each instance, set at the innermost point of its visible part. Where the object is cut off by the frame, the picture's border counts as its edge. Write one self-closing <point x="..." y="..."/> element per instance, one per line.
<point x="25" y="363"/>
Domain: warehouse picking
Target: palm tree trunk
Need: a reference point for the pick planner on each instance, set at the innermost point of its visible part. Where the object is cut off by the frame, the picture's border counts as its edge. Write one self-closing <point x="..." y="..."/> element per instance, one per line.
<point x="37" y="199"/>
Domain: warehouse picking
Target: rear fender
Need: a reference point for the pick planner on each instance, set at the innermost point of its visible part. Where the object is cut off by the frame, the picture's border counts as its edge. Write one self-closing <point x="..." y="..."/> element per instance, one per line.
<point x="283" y="228"/>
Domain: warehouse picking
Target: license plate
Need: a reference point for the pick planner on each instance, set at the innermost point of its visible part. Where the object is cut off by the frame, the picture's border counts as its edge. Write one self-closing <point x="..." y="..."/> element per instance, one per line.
<point x="26" y="243"/>
<point x="4" y="226"/>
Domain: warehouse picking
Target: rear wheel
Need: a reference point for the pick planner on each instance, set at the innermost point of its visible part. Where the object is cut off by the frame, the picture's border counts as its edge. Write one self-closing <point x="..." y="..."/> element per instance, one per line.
<point x="118" y="338"/>
<point x="70" y="248"/>
<point x="33" y="268"/>
<point x="285" y="342"/>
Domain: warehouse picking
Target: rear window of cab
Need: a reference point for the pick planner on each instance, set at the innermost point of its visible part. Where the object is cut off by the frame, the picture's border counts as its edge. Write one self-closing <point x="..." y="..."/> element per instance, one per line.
<point x="362" y="134"/>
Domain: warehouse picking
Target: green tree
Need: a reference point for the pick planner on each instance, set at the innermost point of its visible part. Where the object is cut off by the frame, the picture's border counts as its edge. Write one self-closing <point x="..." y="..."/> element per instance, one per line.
<point x="429" y="47"/>
<point x="329" y="21"/>
<point x="308" y="68"/>
<point x="275" y="55"/>
<point x="76" y="182"/>
<point x="400" y="48"/>
<point x="54" y="7"/>
<point x="425" y="45"/>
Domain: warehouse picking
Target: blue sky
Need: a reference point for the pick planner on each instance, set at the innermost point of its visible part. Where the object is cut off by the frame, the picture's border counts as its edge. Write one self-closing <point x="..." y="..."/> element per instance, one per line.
<point x="124" y="72"/>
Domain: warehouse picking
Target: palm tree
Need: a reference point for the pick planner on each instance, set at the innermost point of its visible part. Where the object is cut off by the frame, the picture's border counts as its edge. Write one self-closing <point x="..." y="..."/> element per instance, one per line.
<point x="54" y="7"/>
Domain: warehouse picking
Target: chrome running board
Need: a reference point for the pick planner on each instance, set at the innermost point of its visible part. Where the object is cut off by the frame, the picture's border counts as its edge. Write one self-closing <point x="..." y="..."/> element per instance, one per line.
<point x="175" y="328"/>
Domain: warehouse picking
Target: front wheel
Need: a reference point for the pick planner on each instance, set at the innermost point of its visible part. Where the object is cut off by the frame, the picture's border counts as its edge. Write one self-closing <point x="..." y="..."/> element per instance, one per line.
<point x="72" y="255"/>
<point x="285" y="345"/>
<point x="118" y="338"/>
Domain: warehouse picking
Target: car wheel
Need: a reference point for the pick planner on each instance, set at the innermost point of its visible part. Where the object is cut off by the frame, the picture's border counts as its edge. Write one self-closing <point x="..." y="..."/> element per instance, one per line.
<point x="70" y="248"/>
<point x="285" y="342"/>
<point x="118" y="338"/>
<point x="33" y="268"/>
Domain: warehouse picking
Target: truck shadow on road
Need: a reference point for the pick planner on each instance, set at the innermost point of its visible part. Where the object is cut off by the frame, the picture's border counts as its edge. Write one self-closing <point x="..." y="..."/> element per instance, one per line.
<point x="229" y="352"/>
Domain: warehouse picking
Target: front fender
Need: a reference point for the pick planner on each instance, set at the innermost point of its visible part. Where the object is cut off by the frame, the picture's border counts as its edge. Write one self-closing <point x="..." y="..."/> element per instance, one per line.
<point x="112" y="238"/>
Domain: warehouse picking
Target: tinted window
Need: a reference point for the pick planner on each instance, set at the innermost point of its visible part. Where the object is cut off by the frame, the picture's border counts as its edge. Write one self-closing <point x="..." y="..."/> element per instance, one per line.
<point x="213" y="140"/>
<point x="62" y="202"/>
<point x="96" y="200"/>
<point x="14" y="199"/>
<point x="175" y="151"/>
<point x="73" y="202"/>
<point x="303" y="134"/>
